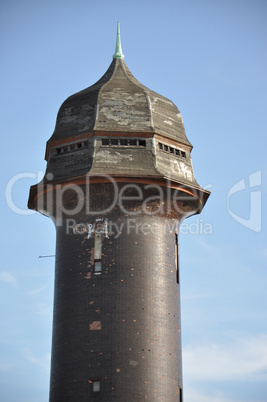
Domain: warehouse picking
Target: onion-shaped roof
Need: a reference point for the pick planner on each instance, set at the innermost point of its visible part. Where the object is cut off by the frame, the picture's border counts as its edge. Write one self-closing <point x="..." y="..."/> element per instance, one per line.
<point x="118" y="102"/>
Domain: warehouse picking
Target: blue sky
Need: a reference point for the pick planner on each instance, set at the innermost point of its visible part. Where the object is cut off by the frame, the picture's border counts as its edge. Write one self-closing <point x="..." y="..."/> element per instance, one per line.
<point x="209" y="58"/>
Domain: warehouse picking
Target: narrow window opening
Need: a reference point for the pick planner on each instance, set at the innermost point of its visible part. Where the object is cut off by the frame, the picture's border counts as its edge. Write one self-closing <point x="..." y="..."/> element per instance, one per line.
<point x="72" y="147"/>
<point x="132" y="142"/>
<point x="142" y="143"/>
<point x="177" y="258"/>
<point x="105" y="141"/>
<point x="177" y="152"/>
<point x="114" y="142"/>
<point x="98" y="267"/>
<point x="123" y="142"/>
<point x="96" y="386"/>
<point x="98" y="246"/>
<point x="160" y="145"/>
<point x="183" y="154"/>
<point x="166" y="148"/>
<point x="171" y="150"/>
<point x="180" y="395"/>
<point x="98" y="254"/>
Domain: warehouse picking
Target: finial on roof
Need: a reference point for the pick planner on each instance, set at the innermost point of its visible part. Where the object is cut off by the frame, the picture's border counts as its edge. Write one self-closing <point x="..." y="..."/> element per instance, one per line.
<point x="118" y="50"/>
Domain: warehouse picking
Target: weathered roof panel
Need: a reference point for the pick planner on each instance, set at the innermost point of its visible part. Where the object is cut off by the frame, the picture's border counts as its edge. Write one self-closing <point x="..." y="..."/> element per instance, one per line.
<point x="118" y="102"/>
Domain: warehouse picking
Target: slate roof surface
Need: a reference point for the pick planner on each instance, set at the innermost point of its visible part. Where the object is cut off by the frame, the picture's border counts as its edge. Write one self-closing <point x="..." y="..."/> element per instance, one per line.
<point x="118" y="102"/>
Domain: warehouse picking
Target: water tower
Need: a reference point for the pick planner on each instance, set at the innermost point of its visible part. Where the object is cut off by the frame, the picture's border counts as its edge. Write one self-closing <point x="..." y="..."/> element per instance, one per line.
<point x="119" y="182"/>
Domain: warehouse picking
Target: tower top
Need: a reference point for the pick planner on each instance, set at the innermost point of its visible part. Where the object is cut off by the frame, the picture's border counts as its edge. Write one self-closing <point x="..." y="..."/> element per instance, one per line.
<point x="119" y="127"/>
<point x="118" y="50"/>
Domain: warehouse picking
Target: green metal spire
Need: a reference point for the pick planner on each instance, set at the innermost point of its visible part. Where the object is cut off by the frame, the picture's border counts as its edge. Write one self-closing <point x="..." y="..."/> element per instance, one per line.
<point x="118" y="50"/>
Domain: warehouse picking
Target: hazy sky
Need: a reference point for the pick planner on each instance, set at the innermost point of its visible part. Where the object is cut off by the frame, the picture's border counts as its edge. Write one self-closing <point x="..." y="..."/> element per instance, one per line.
<point x="209" y="58"/>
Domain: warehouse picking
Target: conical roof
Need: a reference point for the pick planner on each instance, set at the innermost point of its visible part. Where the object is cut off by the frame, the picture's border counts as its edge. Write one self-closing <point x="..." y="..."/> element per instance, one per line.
<point x="118" y="102"/>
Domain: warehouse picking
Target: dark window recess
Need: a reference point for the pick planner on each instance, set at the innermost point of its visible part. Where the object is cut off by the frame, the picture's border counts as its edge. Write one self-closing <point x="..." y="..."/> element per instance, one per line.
<point x="180" y="395"/>
<point x="177" y="258"/>
<point x="123" y="142"/>
<point x="172" y="150"/>
<point x="71" y="147"/>
<point x="98" y="254"/>
<point x="98" y="267"/>
<point x="96" y="386"/>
